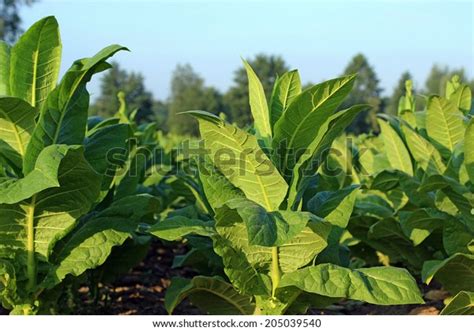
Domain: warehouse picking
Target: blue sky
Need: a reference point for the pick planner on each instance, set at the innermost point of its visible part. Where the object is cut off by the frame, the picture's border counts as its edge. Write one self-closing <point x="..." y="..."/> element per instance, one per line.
<point x="317" y="37"/>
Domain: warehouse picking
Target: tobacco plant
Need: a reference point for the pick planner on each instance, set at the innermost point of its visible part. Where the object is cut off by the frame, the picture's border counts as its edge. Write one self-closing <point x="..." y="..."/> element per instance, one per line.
<point x="54" y="173"/>
<point x="417" y="205"/>
<point x="254" y="185"/>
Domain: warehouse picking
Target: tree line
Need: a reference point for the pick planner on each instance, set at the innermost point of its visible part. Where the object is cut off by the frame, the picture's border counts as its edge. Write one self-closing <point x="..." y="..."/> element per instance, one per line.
<point x="188" y="90"/>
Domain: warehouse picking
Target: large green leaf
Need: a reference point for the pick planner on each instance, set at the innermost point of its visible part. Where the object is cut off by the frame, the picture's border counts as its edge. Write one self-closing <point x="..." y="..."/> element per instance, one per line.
<point x="36" y="224"/>
<point x="176" y="227"/>
<point x="217" y="188"/>
<point x="44" y="176"/>
<point x="419" y="224"/>
<point x="444" y="124"/>
<point x="4" y="68"/>
<point x="469" y="150"/>
<point x="395" y="149"/>
<point x="91" y="244"/>
<point x="304" y="118"/>
<point x="336" y="208"/>
<point x="35" y="62"/>
<point x="427" y="157"/>
<point x="461" y="304"/>
<point x="238" y="157"/>
<point x="258" y="105"/>
<point x="310" y="161"/>
<point x="286" y="89"/>
<point x="63" y="118"/>
<point x="241" y="272"/>
<point x="379" y="285"/>
<point x="17" y="122"/>
<point x="295" y="253"/>
<point x="455" y="273"/>
<point x="267" y="228"/>
<point x="211" y="294"/>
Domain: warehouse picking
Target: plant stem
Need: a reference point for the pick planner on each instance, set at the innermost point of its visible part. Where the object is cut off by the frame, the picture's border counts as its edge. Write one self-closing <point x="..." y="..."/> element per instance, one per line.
<point x="30" y="232"/>
<point x="275" y="270"/>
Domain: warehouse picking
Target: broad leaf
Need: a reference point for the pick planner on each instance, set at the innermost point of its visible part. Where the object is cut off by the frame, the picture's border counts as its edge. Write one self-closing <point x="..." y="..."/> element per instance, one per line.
<point x="176" y="227"/>
<point x="304" y="118"/>
<point x="286" y="89"/>
<point x="461" y="304"/>
<point x="419" y="224"/>
<point x="310" y="161"/>
<point x="17" y="122"/>
<point x="238" y="157"/>
<point x="44" y="176"/>
<point x="444" y="124"/>
<point x="35" y="62"/>
<point x="91" y="244"/>
<point x="378" y="285"/>
<point x="36" y="224"/>
<point x="211" y="294"/>
<point x="267" y="228"/>
<point x="395" y="149"/>
<point x="456" y="273"/>
<point x="63" y="117"/>
<point x="427" y="157"/>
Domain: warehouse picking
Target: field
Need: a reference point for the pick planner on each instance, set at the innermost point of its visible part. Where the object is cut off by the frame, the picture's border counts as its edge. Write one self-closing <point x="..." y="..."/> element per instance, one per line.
<point x="290" y="215"/>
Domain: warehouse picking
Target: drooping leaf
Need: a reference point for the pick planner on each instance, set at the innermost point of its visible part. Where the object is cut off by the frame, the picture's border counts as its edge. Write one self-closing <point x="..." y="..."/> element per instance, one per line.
<point x="17" y="121"/>
<point x="44" y="176"/>
<point x="35" y="62"/>
<point x="461" y="304"/>
<point x="258" y="105"/>
<point x="395" y="149"/>
<point x="176" y="227"/>
<point x="286" y="89"/>
<point x="91" y="244"/>
<point x="35" y="225"/>
<point x="238" y="157"/>
<point x="378" y="285"/>
<point x="211" y="294"/>
<point x="419" y="224"/>
<point x="455" y="273"/>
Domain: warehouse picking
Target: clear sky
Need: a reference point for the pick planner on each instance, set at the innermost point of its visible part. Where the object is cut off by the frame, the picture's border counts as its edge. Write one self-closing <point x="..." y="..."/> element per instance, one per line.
<point x="317" y="37"/>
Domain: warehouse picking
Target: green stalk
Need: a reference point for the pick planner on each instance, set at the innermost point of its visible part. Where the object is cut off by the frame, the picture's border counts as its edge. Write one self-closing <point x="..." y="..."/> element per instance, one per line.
<point x="30" y="248"/>
<point x="275" y="274"/>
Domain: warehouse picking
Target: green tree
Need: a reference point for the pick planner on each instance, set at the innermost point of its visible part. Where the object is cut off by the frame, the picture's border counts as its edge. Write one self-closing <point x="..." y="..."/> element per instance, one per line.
<point x="398" y="92"/>
<point x="10" y="19"/>
<point x="188" y="92"/>
<point x="267" y="68"/>
<point x="366" y="90"/>
<point x="136" y="95"/>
